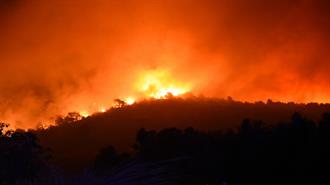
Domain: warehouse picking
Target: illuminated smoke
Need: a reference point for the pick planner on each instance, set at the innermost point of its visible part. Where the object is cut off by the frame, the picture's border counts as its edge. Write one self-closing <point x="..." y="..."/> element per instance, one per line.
<point x="61" y="56"/>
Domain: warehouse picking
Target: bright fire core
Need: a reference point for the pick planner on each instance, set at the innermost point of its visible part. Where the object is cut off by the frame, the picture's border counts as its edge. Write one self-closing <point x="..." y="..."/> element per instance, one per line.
<point x="155" y="84"/>
<point x="160" y="84"/>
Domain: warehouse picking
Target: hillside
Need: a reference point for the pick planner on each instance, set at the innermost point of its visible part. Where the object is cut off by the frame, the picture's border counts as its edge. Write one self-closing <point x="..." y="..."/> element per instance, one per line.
<point x="75" y="143"/>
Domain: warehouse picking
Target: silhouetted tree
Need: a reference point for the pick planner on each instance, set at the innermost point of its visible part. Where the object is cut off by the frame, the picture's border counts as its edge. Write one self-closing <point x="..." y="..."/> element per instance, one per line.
<point x="296" y="152"/>
<point x="71" y="117"/>
<point x="120" y="103"/>
<point x="21" y="157"/>
<point x="293" y="151"/>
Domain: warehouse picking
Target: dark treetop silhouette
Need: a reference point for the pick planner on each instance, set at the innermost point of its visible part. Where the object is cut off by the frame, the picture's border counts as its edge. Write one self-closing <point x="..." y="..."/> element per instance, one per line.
<point x="295" y="151"/>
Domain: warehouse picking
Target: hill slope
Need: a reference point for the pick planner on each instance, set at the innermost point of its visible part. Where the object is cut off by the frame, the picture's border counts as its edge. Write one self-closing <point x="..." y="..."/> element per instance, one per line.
<point x="74" y="143"/>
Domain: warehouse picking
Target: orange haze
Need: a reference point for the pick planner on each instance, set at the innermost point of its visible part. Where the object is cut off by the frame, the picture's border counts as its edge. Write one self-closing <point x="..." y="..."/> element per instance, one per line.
<point x="58" y="56"/>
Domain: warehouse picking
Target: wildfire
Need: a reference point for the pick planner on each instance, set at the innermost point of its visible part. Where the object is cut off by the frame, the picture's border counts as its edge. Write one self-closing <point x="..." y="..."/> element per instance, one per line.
<point x="159" y="84"/>
<point x="156" y="84"/>
<point x="84" y="114"/>
<point x="129" y="101"/>
<point x="103" y="109"/>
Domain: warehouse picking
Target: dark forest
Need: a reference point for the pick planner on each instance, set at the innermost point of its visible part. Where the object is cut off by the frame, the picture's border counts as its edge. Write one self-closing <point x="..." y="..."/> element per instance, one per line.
<point x="208" y="148"/>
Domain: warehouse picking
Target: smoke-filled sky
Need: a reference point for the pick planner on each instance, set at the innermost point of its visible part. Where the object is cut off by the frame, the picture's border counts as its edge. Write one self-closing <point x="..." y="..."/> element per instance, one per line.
<point x="58" y="56"/>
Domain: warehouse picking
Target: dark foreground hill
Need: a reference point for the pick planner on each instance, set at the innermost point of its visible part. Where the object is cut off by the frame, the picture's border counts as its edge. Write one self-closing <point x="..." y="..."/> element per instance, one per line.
<point x="292" y="148"/>
<point x="74" y="143"/>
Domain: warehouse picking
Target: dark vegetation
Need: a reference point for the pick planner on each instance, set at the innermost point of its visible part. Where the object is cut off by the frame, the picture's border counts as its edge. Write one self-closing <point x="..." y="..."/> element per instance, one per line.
<point x="295" y="150"/>
<point x="21" y="157"/>
<point x="75" y="143"/>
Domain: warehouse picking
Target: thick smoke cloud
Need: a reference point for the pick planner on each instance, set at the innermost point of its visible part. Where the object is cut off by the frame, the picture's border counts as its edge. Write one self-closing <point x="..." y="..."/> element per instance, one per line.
<point x="60" y="56"/>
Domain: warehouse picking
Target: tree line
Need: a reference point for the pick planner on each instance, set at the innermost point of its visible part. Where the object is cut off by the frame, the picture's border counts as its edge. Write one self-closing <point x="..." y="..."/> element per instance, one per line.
<point x="292" y="152"/>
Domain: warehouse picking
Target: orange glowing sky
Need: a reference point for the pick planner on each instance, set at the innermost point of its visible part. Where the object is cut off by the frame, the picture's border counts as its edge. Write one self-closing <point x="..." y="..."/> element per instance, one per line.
<point x="58" y="56"/>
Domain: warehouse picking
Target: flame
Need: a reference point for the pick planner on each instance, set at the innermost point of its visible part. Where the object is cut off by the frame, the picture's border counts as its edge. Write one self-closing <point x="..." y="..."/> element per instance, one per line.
<point x="129" y="101"/>
<point x="84" y="114"/>
<point x="162" y="93"/>
<point x="102" y="109"/>
<point x="159" y="84"/>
